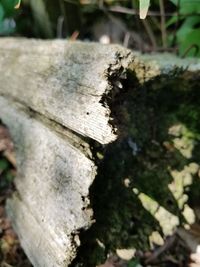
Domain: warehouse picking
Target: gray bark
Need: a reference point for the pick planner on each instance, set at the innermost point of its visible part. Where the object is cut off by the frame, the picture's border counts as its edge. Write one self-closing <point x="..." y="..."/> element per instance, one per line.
<point x="64" y="81"/>
<point x="53" y="180"/>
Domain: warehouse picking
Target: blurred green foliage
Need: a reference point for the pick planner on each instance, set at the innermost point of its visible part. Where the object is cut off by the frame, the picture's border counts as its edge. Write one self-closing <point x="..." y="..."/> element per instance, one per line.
<point x="7" y="16"/>
<point x="188" y="22"/>
<point x="172" y="25"/>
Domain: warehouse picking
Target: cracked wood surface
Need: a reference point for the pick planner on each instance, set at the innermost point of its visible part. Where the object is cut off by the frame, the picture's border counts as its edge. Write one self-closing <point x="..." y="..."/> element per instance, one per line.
<point x="51" y="201"/>
<point x="64" y="81"/>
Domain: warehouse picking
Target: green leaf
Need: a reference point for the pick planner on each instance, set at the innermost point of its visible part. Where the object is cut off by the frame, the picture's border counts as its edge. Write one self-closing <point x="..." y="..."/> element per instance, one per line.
<point x="18" y="4"/>
<point x="187" y="6"/>
<point x="192" y="37"/>
<point x="134" y="263"/>
<point x="187" y="27"/>
<point x="3" y="165"/>
<point x="9" y="7"/>
<point x="172" y="21"/>
<point x="1" y="12"/>
<point x="144" y="7"/>
<point x="175" y="2"/>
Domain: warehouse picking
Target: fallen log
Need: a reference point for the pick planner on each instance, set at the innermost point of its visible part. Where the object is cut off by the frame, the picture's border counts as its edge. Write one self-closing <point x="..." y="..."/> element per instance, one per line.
<point x="77" y="111"/>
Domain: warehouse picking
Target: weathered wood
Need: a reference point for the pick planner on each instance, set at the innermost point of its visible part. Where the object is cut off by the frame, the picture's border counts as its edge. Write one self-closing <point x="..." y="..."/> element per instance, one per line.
<point x="54" y="94"/>
<point x="64" y="81"/>
<point x="52" y="184"/>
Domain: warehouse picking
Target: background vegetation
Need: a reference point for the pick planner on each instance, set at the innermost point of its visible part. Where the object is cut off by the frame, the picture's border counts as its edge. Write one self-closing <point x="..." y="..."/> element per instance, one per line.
<point x="171" y="25"/>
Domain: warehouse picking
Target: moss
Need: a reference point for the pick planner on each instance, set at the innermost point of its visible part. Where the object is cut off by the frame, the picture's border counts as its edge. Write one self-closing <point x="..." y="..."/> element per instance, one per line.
<point x="151" y="118"/>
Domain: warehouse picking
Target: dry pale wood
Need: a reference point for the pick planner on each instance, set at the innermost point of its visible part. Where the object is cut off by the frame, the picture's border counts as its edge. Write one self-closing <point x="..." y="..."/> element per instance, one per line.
<point x="64" y="81"/>
<point x="51" y="203"/>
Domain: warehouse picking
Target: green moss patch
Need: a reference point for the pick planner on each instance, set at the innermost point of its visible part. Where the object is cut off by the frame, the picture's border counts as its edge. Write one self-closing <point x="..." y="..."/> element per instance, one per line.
<point x="148" y="180"/>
